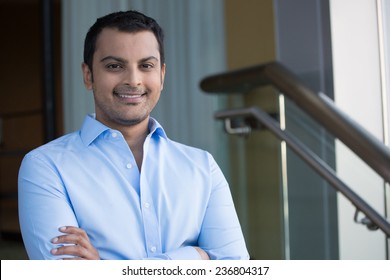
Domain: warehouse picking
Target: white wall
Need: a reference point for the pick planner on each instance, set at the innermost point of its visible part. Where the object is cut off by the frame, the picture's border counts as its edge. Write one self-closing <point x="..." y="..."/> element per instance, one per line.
<point x="358" y="92"/>
<point x="386" y="88"/>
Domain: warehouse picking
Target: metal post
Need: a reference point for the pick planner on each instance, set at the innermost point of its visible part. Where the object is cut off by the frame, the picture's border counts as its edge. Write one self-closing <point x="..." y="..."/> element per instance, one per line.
<point x="48" y="71"/>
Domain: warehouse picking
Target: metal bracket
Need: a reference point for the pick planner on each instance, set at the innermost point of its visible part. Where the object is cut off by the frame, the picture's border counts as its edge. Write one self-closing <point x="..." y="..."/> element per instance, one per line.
<point x="364" y="221"/>
<point x="241" y="125"/>
<point x="237" y="130"/>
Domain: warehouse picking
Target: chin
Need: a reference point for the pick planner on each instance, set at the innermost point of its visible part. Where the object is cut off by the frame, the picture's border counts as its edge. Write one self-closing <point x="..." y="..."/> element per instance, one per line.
<point x="130" y="121"/>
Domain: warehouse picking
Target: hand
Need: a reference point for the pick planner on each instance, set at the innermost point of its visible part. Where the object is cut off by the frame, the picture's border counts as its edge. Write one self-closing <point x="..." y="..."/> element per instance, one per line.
<point x="80" y="245"/>
<point x="202" y="253"/>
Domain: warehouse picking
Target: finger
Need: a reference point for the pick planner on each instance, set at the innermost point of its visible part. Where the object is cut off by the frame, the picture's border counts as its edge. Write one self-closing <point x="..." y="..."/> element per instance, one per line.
<point x="73" y="230"/>
<point x="77" y="251"/>
<point x="72" y="250"/>
<point x="69" y="239"/>
<point x="81" y="236"/>
<point x="77" y="247"/>
<point x="73" y="238"/>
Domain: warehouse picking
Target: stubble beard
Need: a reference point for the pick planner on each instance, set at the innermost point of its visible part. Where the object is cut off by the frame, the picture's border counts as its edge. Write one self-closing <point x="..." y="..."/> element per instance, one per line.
<point x="130" y="122"/>
<point x="120" y="118"/>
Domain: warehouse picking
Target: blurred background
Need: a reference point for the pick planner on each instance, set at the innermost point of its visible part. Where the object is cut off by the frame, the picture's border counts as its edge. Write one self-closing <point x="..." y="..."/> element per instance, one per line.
<point x="287" y="211"/>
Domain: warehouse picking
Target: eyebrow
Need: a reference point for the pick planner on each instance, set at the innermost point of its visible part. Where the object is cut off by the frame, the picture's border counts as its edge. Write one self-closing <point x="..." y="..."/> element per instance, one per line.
<point x="149" y="58"/>
<point x="111" y="57"/>
<point x="124" y="61"/>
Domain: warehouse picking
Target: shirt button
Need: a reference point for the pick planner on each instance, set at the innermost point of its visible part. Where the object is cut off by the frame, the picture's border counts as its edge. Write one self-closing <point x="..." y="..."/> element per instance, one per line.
<point x="114" y="134"/>
<point x="147" y="205"/>
<point x="129" y="165"/>
<point x="153" y="249"/>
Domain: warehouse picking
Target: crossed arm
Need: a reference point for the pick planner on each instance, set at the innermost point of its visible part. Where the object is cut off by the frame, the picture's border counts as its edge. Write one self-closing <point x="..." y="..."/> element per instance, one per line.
<point x="81" y="247"/>
<point x="44" y="208"/>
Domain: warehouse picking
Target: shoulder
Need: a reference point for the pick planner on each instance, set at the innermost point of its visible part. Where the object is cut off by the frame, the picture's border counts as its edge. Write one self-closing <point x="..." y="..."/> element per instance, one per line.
<point x="178" y="151"/>
<point x="196" y="156"/>
<point x="59" y="146"/>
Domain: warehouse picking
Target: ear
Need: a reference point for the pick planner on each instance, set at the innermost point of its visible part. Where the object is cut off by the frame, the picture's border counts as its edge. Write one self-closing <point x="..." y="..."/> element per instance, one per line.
<point x="162" y="76"/>
<point x="87" y="75"/>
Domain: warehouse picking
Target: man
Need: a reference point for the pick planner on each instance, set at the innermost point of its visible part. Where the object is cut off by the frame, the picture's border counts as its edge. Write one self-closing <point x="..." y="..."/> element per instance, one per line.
<point x="119" y="188"/>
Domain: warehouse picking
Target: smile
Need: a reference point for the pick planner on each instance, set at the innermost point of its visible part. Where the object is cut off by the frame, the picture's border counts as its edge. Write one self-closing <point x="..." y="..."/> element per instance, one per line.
<point x="129" y="95"/>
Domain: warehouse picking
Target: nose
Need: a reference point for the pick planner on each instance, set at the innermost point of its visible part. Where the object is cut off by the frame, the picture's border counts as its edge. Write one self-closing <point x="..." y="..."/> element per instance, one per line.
<point x="133" y="77"/>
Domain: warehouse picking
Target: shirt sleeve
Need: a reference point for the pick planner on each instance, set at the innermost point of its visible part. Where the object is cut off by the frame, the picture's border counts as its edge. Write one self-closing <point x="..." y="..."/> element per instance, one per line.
<point x="221" y="235"/>
<point x="183" y="253"/>
<point x="43" y="207"/>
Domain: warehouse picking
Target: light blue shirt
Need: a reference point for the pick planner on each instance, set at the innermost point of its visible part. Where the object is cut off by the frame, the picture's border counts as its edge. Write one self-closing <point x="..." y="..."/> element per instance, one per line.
<point x="89" y="179"/>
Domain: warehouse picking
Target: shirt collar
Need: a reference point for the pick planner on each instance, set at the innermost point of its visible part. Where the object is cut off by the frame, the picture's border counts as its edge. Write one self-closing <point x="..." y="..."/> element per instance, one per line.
<point x="156" y="129"/>
<point x="91" y="129"/>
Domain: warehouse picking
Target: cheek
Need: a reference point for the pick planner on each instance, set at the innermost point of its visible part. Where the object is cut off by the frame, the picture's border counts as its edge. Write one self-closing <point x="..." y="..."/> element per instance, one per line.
<point x="101" y="91"/>
<point x="103" y="83"/>
<point x="156" y="81"/>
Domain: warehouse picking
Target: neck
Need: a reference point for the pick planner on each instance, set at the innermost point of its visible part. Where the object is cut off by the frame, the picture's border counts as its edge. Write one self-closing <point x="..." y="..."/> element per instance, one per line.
<point x="135" y="136"/>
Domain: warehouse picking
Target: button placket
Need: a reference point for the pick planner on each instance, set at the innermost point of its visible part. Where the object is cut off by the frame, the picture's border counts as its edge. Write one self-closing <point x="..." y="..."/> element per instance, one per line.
<point x="148" y="211"/>
<point x="151" y="228"/>
<point x="150" y="220"/>
<point x="126" y="161"/>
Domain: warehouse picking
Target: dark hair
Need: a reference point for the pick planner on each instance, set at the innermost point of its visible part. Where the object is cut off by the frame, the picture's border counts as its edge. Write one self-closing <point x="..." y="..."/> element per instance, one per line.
<point x="129" y="21"/>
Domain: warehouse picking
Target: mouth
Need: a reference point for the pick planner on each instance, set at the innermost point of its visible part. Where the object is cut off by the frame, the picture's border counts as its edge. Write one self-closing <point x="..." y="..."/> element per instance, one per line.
<point x="130" y="97"/>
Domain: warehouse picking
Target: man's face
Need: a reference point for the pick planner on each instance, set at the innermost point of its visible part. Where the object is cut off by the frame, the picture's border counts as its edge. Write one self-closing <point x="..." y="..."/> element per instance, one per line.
<point x="126" y="78"/>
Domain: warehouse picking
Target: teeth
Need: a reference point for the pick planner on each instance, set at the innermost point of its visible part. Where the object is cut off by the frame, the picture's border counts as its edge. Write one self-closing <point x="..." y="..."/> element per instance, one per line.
<point x="129" y="96"/>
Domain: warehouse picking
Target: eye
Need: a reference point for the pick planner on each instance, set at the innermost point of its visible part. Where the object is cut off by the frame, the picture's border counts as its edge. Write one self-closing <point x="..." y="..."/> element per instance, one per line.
<point x="114" y="67"/>
<point x="147" y="65"/>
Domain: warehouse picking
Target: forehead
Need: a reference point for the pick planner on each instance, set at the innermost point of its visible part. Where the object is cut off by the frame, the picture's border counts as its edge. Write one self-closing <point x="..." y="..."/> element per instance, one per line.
<point x="114" y="42"/>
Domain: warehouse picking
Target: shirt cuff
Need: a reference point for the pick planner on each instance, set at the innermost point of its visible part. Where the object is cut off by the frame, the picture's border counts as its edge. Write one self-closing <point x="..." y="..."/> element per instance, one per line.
<point x="184" y="253"/>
